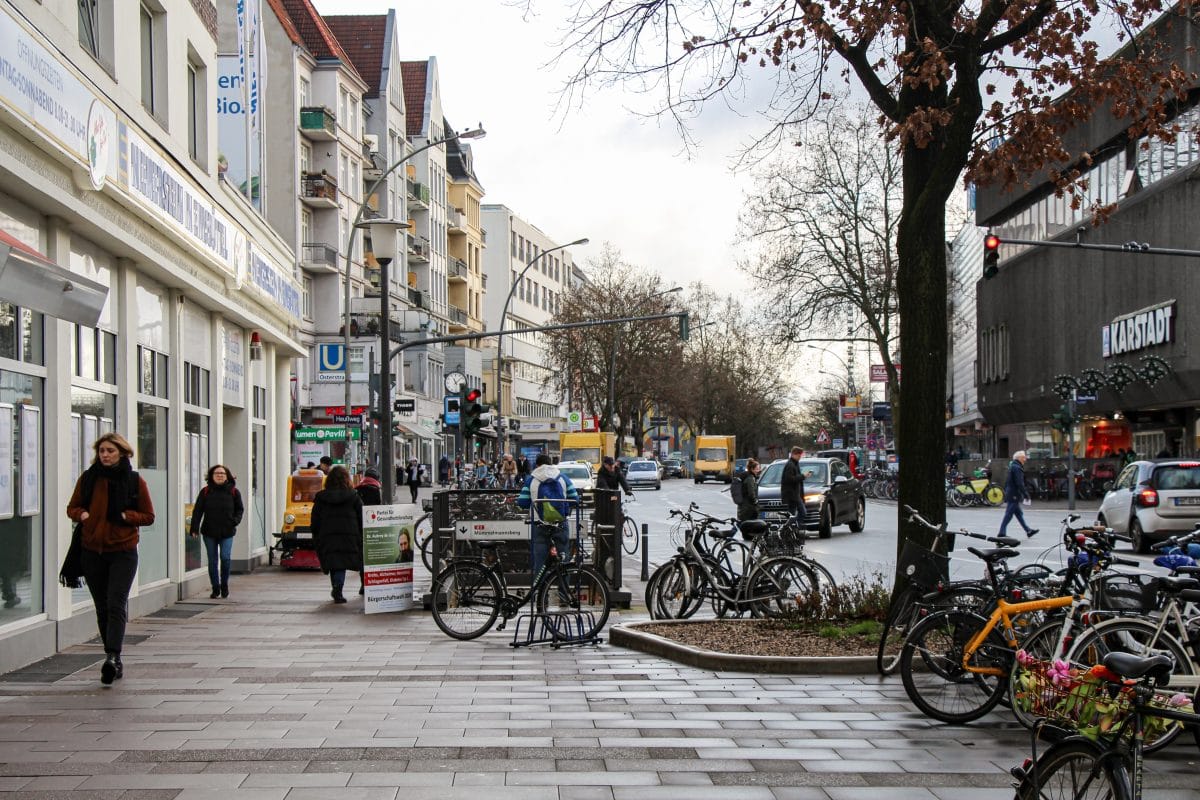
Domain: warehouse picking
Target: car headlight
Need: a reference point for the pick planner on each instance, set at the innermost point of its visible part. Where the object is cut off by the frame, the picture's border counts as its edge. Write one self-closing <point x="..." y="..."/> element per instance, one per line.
<point x="813" y="498"/>
<point x="289" y="518"/>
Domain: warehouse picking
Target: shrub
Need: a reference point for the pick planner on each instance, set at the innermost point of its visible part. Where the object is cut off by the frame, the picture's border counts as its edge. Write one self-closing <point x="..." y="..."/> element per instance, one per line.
<point x="857" y="599"/>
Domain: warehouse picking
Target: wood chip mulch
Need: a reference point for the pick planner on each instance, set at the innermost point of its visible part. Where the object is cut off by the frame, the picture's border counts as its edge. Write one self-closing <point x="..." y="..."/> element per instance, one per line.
<point x="760" y="638"/>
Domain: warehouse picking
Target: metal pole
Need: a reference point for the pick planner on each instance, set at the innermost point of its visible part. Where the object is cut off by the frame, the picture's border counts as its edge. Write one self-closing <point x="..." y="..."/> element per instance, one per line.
<point x="1071" y="456"/>
<point x="612" y="384"/>
<point x="645" y="552"/>
<point x="387" y="451"/>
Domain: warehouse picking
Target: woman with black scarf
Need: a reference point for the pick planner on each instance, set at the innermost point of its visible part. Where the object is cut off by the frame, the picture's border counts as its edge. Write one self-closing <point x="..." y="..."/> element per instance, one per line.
<point x="111" y="502"/>
<point x="216" y="513"/>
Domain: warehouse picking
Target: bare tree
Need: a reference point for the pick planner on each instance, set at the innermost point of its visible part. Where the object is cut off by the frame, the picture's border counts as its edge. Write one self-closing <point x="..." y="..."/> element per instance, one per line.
<point x="825" y="221"/>
<point x="927" y="66"/>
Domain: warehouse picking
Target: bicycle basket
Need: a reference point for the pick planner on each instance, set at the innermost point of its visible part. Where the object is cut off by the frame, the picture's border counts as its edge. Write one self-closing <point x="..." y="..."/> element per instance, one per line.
<point x="922" y="566"/>
<point x="1082" y="699"/>
<point x="1128" y="593"/>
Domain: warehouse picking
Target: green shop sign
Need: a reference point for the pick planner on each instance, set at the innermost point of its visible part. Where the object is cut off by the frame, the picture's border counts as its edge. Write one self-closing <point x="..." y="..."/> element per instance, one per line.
<point x="327" y="433"/>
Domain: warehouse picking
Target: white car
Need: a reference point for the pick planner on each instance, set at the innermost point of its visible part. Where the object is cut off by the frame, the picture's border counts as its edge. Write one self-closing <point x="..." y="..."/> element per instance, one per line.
<point x="643" y="473"/>
<point x="580" y="473"/>
<point x="1151" y="500"/>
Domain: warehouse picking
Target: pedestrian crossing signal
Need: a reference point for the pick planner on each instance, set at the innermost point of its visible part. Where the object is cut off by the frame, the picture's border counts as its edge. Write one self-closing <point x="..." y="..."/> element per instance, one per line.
<point x="991" y="256"/>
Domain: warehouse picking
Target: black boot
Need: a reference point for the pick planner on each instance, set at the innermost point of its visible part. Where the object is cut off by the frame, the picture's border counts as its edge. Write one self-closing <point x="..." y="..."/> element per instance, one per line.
<point x="336" y="594"/>
<point x="108" y="670"/>
<point x="224" y="590"/>
<point x="215" y="593"/>
<point x="120" y="667"/>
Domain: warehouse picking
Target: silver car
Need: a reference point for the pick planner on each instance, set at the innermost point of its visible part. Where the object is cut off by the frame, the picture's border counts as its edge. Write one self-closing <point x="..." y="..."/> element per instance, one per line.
<point x="1151" y="500"/>
<point x="644" y="474"/>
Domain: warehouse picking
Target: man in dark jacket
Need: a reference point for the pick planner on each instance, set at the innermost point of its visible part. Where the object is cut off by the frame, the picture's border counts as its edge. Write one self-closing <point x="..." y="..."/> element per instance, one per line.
<point x="1015" y="493"/>
<point x="791" y="486"/>
<point x="610" y="478"/>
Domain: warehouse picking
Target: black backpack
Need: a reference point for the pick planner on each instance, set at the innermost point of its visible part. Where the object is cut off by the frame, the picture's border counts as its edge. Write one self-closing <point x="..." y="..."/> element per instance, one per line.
<point x="735" y="490"/>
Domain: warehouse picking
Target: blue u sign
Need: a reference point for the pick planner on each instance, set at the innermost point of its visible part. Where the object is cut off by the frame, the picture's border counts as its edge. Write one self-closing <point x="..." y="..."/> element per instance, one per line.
<point x="331" y="357"/>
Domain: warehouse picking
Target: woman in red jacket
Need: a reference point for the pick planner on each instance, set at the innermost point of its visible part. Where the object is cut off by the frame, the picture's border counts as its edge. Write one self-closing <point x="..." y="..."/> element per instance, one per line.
<point x="111" y="501"/>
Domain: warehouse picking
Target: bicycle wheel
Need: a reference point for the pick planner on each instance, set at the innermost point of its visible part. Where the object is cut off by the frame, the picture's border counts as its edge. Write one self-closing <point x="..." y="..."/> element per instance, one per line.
<point x="993" y="494"/>
<point x="629" y="536"/>
<point x="779" y="586"/>
<point x="1074" y="770"/>
<point x="1141" y="638"/>
<point x="574" y="588"/>
<point x="902" y="615"/>
<point x="1041" y="644"/>
<point x="423" y="537"/>
<point x="826" y="583"/>
<point x="931" y="665"/>
<point x="676" y="593"/>
<point x="466" y="600"/>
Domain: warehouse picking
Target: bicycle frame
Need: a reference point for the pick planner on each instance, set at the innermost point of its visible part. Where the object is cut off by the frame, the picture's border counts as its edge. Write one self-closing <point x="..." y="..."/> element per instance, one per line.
<point x="1003" y="614"/>
<point x="1170" y="617"/>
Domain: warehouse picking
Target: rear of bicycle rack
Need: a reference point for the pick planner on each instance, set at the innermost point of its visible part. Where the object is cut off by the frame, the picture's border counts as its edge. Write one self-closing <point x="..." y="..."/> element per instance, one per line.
<point x="555" y="628"/>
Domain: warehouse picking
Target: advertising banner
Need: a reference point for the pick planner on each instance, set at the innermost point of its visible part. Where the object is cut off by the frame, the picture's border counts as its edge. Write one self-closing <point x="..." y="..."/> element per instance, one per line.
<point x="388" y="557"/>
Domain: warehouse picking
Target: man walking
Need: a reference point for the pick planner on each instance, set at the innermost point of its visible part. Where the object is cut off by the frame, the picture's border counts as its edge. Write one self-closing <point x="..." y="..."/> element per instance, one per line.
<point x="1015" y="493"/>
<point x="791" y="486"/>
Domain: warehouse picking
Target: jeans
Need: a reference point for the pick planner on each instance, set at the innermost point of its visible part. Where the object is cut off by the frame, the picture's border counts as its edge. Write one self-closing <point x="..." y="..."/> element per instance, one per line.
<point x="796" y="512"/>
<point x="1013" y="510"/>
<point x="337" y="579"/>
<point x="543" y="537"/>
<point x="109" y="578"/>
<point x="413" y="487"/>
<point x="222" y="549"/>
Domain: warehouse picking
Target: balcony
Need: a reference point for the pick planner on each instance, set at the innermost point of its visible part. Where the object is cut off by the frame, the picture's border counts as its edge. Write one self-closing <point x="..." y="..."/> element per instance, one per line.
<point x="456" y="270"/>
<point x="418" y="193"/>
<point x="318" y="124"/>
<point x="418" y="298"/>
<point x="418" y="250"/>
<point x="454" y="220"/>
<point x="319" y="257"/>
<point x="318" y="190"/>
<point x="457" y="317"/>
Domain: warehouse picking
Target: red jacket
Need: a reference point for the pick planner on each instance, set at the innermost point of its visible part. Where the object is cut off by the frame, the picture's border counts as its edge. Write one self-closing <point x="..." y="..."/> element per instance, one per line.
<point x="100" y="535"/>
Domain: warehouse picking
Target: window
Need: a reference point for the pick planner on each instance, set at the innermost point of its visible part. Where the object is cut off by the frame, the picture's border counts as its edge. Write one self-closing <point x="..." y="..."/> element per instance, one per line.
<point x="513" y="243"/>
<point x="305" y="92"/>
<point x="306" y="287"/>
<point x="197" y="110"/>
<point x="195" y="385"/>
<point x="153" y="53"/>
<point x="305" y="157"/>
<point x="354" y="117"/>
<point x="152" y="372"/>
<point x="95" y="30"/>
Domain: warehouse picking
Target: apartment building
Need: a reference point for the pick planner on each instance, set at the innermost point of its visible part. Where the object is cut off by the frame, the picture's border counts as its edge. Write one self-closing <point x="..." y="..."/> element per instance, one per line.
<point x="182" y="316"/>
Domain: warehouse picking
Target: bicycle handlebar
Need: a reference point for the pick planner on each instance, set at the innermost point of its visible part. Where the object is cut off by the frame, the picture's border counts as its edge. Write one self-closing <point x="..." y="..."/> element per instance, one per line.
<point x="915" y="516"/>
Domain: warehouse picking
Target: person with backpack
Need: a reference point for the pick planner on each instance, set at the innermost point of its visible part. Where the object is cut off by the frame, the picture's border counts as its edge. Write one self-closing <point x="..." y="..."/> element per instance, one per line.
<point x="744" y="491"/>
<point x="110" y="502"/>
<point x="551" y="497"/>
<point x="216" y="514"/>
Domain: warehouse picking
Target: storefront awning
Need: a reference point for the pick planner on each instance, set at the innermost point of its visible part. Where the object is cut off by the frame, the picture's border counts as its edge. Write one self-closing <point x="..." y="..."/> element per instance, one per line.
<point x="412" y="429"/>
<point x="30" y="280"/>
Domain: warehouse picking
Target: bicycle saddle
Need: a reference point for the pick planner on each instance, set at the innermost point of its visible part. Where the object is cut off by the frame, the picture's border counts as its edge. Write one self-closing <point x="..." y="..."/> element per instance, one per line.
<point x="1176" y="585"/>
<point x="723" y="534"/>
<point x="992" y="556"/>
<point x="753" y="527"/>
<point x="1006" y="541"/>
<point x="1127" y="665"/>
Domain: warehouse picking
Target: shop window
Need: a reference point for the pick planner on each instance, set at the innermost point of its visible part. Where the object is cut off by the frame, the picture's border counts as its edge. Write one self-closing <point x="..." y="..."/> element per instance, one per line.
<point x="21" y="535"/>
<point x="152" y="372"/>
<point x="21" y="334"/>
<point x="151" y="457"/>
<point x="196" y="385"/>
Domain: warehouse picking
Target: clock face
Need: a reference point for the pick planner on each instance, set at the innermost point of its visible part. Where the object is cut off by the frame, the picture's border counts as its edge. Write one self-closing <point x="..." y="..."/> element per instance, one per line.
<point x="455" y="381"/>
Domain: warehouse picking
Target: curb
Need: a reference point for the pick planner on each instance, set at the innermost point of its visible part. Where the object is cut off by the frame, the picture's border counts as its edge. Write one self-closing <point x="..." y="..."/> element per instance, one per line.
<point x="628" y="635"/>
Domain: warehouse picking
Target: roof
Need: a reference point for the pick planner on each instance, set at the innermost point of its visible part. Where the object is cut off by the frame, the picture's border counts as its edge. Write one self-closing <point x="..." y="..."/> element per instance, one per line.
<point x="416" y="78"/>
<point x="363" y="38"/>
<point x="285" y="20"/>
<point x="316" y="35"/>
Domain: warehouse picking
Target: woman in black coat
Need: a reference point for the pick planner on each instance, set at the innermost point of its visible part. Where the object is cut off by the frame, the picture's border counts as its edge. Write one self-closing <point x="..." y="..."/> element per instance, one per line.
<point x="337" y="529"/>
<point x="216" y="514"/>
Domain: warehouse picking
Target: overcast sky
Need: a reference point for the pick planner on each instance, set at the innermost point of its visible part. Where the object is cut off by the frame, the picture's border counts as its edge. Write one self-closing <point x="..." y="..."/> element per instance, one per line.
<point x="602" y="171"/>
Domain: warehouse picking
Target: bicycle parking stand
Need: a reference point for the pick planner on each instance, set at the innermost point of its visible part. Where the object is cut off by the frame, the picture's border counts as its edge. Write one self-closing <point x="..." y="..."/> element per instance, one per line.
<point x="555" y="628"/>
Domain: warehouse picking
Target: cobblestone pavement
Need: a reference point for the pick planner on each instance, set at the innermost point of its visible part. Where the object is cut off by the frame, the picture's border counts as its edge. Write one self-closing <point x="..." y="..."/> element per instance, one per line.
<point x="277" y="693"/>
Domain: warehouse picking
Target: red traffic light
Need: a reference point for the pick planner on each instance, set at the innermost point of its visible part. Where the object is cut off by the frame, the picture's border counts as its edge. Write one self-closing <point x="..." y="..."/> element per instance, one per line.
<point x="473" y="395"/>
<point x="991" y="242"/>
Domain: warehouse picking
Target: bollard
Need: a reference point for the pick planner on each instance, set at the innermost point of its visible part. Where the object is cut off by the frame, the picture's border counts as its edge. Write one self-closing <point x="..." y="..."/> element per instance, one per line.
<point x="645" y="551"/>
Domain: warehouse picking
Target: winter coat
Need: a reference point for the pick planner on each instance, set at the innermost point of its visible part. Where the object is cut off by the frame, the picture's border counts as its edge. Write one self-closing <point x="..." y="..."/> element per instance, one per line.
<point x="1014" y="485"/>
<point x="748" y="508"/>
<point x="218" y="510"/>
<point x="547" y="472"/>
<point x="612" y="480"/>
<point x="413" y="474"/>
<point x="370" y="492"/>
<point x="791" y="484"/>
<point x="337" y="529"/>
<point x="100" y="534"/>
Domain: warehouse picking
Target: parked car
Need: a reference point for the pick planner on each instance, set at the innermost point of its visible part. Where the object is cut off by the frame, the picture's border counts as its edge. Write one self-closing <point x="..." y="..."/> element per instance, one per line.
<point x="832" y="495"/>
<point x="580" y="473"/>
<point x="1152" y="500"/>
<point x="673" y="468"/>
<point x="643" y="473"/>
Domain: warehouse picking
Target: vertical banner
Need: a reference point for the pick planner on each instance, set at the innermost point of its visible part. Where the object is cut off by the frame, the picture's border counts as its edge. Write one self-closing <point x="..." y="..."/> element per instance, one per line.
<point x="388" y="557"/>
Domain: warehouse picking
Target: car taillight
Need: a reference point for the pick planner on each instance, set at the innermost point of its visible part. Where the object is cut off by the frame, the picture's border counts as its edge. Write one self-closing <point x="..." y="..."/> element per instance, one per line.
<point x="1147" y="497"/>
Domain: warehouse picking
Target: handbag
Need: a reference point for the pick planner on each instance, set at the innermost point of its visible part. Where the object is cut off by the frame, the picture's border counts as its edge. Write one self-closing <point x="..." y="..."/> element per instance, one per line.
<point x="72" y="566"/>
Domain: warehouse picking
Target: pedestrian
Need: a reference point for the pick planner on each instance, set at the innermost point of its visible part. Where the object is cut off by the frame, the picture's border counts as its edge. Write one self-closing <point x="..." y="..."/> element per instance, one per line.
<point x="748" y="508"/>
<point x="508" y="472"/>
<point x="951" y="462"/>
<point x="791" y="486"/>
<point x="549" y="522"/>
<point x="216" y="514"/>
<point x="1130" y="456"/>
<point x="1015" y="493"/>
<point x="337" y="529"/>
<point x="443" y="470"/>
<point x="111" y="502"/>
<point x="326" y="464"/>
<point x="522" y="467"/>
<point x="369" y="490"/>
<point x="412" y="477"/>
<point x="610" y="478"/>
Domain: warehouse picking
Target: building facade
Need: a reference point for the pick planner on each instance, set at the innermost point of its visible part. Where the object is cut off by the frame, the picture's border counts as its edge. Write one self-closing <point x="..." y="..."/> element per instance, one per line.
<point x="113" y="185"/>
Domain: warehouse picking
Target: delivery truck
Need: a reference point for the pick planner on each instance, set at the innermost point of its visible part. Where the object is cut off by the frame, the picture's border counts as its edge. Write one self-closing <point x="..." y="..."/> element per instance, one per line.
<point x="714" y="458"/>
<point x="589" y="447"/>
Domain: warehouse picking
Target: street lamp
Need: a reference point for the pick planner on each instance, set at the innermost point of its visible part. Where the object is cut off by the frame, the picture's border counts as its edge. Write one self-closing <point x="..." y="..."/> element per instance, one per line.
<point x="475" y="133"/>
<point x="504" y="317"/>
<point x="385" y="235"/>
<point x="849" y="371"/>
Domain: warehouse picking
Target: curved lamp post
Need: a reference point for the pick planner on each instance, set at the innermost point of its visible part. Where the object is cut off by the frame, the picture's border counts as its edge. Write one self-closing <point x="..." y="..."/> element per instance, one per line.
<point x="385" y="290"/>
<point x="504" y="317"/>
<point x="849" y="372"/>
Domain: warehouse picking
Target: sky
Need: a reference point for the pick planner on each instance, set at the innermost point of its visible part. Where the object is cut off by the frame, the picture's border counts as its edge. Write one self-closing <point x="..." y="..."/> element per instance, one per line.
<point x="601" y="171"/>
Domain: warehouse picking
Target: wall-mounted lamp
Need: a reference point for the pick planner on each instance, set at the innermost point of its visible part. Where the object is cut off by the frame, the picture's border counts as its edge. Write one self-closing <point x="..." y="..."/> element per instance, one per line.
<point x="256" y="350"/>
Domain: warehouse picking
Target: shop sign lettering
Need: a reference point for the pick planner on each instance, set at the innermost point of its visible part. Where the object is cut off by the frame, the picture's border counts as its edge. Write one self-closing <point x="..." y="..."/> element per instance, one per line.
<point x="1145" y="328"/>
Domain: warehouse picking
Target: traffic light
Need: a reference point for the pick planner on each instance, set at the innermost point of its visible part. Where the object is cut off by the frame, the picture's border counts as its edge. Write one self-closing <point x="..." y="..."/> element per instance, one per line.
<point x="470" y="412"/>
<point x="1063" y="419"/>
<point x="683" y="327"/>
<point x="991" y="256"/>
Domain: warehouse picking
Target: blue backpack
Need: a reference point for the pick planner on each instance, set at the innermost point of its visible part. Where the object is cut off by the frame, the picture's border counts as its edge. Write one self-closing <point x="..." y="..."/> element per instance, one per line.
<point x="550" y="500"/>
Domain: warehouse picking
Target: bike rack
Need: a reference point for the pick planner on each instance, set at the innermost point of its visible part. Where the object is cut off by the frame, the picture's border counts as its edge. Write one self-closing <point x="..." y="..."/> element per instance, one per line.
<point x="555" y="628"/>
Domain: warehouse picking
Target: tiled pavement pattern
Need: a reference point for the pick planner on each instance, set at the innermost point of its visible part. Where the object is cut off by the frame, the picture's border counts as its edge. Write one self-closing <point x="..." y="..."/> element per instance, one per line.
<point x="277" y="693"/>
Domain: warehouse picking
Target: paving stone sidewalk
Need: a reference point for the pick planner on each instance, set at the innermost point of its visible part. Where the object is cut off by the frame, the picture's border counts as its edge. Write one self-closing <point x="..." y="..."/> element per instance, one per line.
<point x="277" y="693"/>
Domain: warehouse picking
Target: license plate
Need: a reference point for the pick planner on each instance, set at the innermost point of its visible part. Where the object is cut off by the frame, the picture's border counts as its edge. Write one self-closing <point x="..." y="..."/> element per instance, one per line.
<point x="1187" y="501"/>
<point x="304" y="535"/>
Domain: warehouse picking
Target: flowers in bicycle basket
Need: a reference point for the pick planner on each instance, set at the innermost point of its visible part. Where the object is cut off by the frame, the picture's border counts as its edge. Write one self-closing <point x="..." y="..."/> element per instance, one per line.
<point x="1093" y="701"/>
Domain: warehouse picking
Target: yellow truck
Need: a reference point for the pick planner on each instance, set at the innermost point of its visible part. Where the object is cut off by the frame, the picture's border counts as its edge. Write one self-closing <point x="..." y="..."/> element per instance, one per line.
<point x="714" y="458"/>
<point x="588" y="447"/>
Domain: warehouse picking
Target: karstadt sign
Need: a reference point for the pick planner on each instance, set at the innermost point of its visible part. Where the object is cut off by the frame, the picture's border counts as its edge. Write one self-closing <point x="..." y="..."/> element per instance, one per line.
<point x="1141" y="329"/>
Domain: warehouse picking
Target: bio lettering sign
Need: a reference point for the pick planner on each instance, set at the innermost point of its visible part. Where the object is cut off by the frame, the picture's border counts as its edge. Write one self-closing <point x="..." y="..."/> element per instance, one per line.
<point x="1144" y="328"/>
<point x="326" y="433"/>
